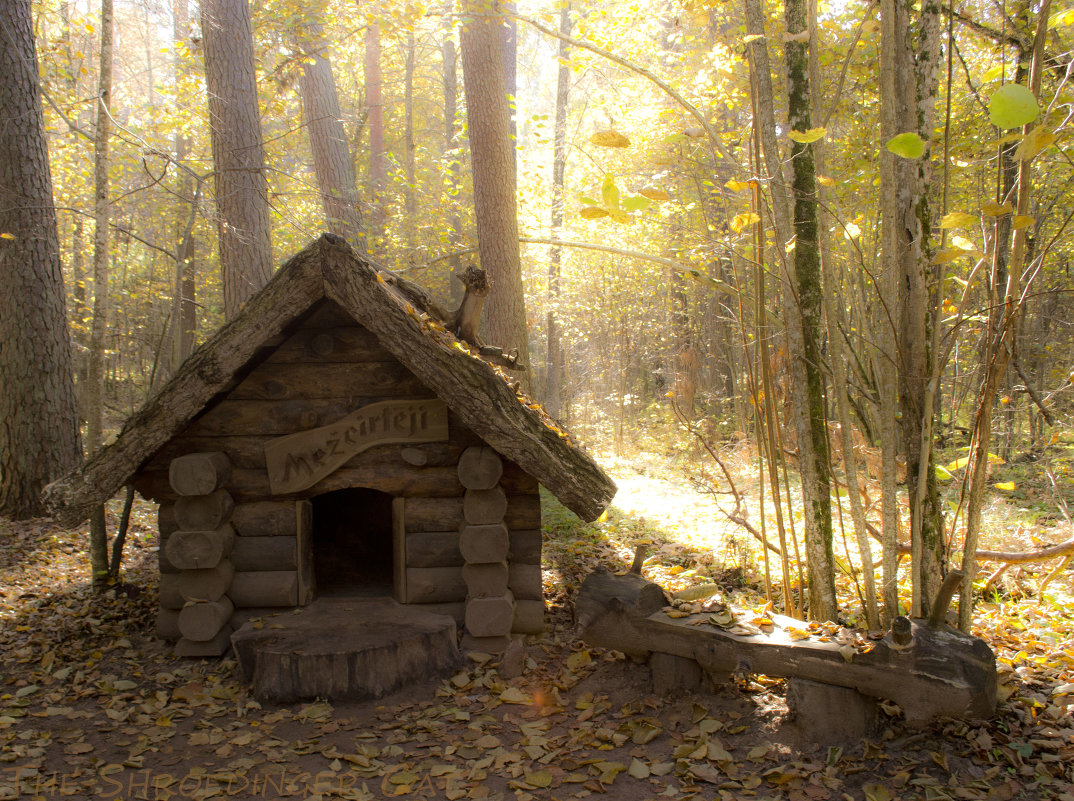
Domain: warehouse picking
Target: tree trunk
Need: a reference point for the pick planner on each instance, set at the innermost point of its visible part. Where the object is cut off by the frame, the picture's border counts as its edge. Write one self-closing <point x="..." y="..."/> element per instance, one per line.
<point x="492" y="154"/>
<point x="816" y="498"/>
<point x="331" y="159"/>
<point x="95" y="372"/>
<point x="39" y="438"/>
<point x="999" y="351"/>
<point x="784" y="234"/>
<point x="238" y="151"/>
<point x="94" y="389"/>
<point x="378" y="171"/>
<point x="184" y="309"/>
<point x="553" y="394"/>
<point x="885" y="360"/>
<point x="410" y="192"/>
<point x="449" y="58"/>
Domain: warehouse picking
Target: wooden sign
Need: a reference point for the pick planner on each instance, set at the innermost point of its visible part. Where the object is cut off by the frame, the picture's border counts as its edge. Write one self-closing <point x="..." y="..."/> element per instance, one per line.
<point x="299" y="461"/>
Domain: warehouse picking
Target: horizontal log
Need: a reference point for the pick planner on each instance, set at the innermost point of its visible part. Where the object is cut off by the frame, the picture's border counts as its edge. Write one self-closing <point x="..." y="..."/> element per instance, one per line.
<point x="254" y="554"/>
<point x="490" y="617"/>
<point x="249" y="452"/>
<point x="485" y="645"/>
<point x="278" y="417"/>
<point x="264" y="588"/>
<point x="311" y="381"/>
<point x="394" y="477"/>
<point x="481" y="507"/>
<point x="166" y="520"/>
<point x="516" y="481"/>
<point x="523" y="511"/>
<point x="939" y="672"/>
<point x="453" y="609"/>
<point x="431" y="454"/>
<point x="265" y="519"/>
<point x="526" y="581"/>
<point x="168" y="593"/>
<point x="197" y="550"/>
<point x="202" y="621"/>
<point x="480" y="544"/>
<point x="526" y="546"/>
<point x="168" y="624"/>
<point x="480" y="468"/>
<point x="331" y="344"/>
<point x="265" y="614"/>
<point x="199" y="473"/>
<point x="529" y="617"/>
<point x="433" y="514"/>
<point x="204" y="512"/>
<point x="217" y="646"/>
<point x="434" y="585"/>
<point x="209" y="584"/>
<point x="641" y="596"/>
<point x="433" y="549"/>
<point x="485" y="580"/>
<point x="441" y="514"/>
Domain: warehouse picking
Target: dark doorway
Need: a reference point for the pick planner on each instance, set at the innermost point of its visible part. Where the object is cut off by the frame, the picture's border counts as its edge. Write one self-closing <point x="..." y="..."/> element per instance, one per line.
<point x="352" y="543"/>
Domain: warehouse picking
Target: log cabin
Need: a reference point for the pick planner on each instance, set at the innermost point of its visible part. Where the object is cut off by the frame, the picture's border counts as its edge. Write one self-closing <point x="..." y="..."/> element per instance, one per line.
<point x="336" y="440"/>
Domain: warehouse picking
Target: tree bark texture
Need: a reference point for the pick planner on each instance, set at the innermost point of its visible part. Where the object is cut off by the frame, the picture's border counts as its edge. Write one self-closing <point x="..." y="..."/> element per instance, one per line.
<point x="331" y="157"/>
<point x="238" y="151"/>
<point x="184" y="309"/>
<point x="1000" y="347"/>
<point x="553" y="394"/>
<point x="492" y="152"/>
<point x="449" y="64"/>
<point x="378" y="170"/>
<point x="93" y="392"/>
<point x="809" y="291"/>
<point x="39" y="434"/>
<point x="784" y="226"/>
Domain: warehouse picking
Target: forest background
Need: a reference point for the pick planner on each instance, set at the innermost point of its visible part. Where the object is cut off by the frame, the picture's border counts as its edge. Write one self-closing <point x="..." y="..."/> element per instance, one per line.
<point x="753" y="242"/>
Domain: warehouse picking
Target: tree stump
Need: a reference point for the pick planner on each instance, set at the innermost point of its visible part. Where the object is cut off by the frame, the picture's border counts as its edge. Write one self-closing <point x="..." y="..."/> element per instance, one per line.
<point x="345" y="650"/>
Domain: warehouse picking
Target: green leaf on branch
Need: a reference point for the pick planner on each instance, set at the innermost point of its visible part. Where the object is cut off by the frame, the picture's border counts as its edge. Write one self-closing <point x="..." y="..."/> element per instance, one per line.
<point x="1012" y="105"/>
<point x="907" y="145"/>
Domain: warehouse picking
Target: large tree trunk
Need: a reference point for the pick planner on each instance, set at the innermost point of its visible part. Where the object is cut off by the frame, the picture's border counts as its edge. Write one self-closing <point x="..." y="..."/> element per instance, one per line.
<point x="39" y="437"/>
<point x="817" y="497"/>
<point x="553" y="393"/>
<point x="238" y="151"/>
<point x="331" y="157"/>
<point x="492" y="154"/>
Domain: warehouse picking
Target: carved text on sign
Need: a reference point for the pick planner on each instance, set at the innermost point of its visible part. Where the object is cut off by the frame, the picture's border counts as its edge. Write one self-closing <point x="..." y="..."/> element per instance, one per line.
<point x="299" y="461"/>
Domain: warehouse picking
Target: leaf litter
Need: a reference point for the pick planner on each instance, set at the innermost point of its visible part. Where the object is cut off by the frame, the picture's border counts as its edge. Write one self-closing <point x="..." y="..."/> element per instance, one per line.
<point x="93" y="705"/>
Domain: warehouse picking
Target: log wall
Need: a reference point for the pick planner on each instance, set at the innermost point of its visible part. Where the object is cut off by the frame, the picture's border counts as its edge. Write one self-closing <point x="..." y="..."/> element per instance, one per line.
<point x="466" y="524"/>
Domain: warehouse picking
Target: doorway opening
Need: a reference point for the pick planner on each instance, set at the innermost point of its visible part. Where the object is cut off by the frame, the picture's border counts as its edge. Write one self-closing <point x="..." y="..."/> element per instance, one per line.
<point x="352" y="543"/>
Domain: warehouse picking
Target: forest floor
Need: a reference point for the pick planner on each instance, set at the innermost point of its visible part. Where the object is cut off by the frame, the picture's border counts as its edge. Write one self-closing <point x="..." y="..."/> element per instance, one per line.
<point x="92" y="705"/>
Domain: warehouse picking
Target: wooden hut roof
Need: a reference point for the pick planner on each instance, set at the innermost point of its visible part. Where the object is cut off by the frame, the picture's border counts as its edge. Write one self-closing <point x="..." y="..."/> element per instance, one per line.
<point x="329" y="269"/>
